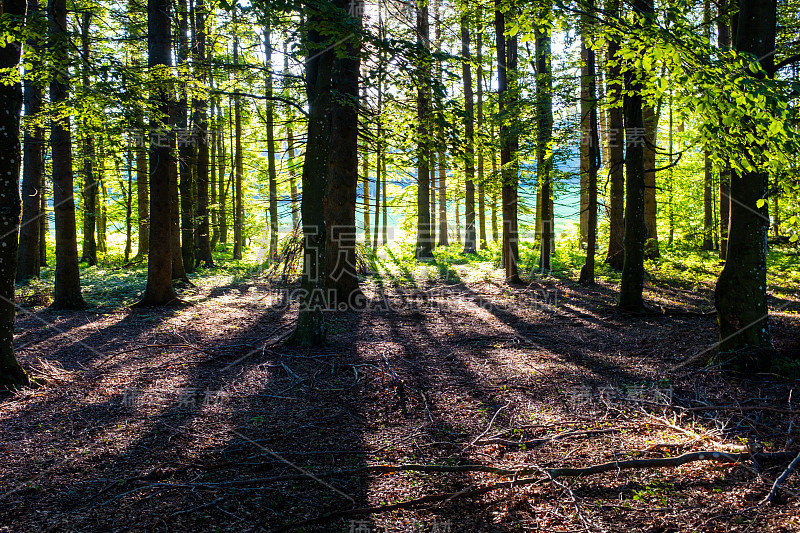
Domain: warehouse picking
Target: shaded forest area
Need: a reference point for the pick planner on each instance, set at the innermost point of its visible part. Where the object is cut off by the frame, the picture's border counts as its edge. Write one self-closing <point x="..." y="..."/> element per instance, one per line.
<point x="419" y="266"/>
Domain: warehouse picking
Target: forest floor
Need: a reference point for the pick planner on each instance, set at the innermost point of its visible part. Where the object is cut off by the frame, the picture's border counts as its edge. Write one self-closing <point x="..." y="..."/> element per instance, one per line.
<point x="198" y="418"/>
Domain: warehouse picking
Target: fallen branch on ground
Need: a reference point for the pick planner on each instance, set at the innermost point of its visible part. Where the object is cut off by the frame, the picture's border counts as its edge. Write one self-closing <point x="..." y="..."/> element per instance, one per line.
<point x="550" y="474"/>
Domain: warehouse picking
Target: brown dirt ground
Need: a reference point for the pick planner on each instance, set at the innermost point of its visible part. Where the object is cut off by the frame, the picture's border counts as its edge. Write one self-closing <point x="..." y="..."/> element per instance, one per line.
<point x="181" y="419"/>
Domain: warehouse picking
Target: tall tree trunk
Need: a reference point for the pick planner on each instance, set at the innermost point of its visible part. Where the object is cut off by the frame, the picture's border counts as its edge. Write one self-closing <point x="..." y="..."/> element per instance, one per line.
<point x="271" y="170"/>
<point x="479" y="123"/>
<point x="310" y="328"/>
<point x="616" y="152"/>
<point x="378" y="169"/>
<point x="495" y="233"/>
<point x="238" y="206"/>
<point x="90" y="182"/>
<point x="384" y="196"/>
<point x="290" y="145"/>
<point x="724" y="43"/>
<point x="470" y="244"/>
<point x="185" y="148"/>
<point x="590" y="140"/>
<point x="67" y="276"/>
<point x="432" y="208"/>
<point x="222" y="195"/>
<point x="212" y="168"/>
<point x="632" y="283"/>
<point x="143" y="202"/>
<point x="544" y="152"/>
<point x="11" y="373"/>
<point x="342" y="186"/>
<point x="102" y="202"/>
<point x="424" y="239"/>
<point x="28" y="264"/>
<point x="650" y="118"/>
<point x="506" y="83"/>
<point x="365" y="181"/>
<point x="741" y="292"/>
<point x="159" y="289"/>
<point x="201" y="134"/>
<point x="44" y="224"/>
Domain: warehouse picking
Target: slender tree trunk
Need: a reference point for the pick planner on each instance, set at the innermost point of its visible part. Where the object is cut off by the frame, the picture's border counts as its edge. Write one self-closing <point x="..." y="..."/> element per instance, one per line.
<point x="212" y="167"/>
<point x="188" y="202"/>
<point x="238" y="207"/>
<point x="159" y="289"/>
<point x="271" y="169"/>
<point x="143" y="202"/>
<point x="44" y="225"/>
<point x="90" y="182"/>
<point x="506" y="84"/>
<point x="741" y="292"/>
<point x="479" y="123"/>
<point x="650" y="118"/>
<point x="424" y="239"/>
<point x="495" y="233"/>
<point x="724" y="43"/>
<point x="11" y="373"/>
<point x="378" y="176"/>
<point x="67" y="276"/>
<point x="28" y="264"/>
<point x="384" y="196"/>
<point x="290" y="147"/>
<point x="632" y="283"/>
<point x="102" y="202"/>
<point x="544" y="153"/>
<point x="222" y="196"/>
<point x="365" y="182"/>
<point x="470" y="244"/>
<point x="616" y="152"/>
<point x="591" y="141"/>
<point x="201" y="134"/>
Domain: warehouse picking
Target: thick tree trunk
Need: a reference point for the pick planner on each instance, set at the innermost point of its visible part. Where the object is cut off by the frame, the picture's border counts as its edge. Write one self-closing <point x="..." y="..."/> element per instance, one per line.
<point x="632" y="283"/>
<point x="424" y="238"/>
<point x="741" y="292"/>
<point x="616" y="153"/>
<point x="159" y="289"/>
<point x="11" y="373"/>
<point x="67" y="276"/>
<point x="28" y="265"/>
<point x="310" y="328"/>
<point x="470" y="244"/>
<point x="342" y="186"/>
<point x="506" y="72"/>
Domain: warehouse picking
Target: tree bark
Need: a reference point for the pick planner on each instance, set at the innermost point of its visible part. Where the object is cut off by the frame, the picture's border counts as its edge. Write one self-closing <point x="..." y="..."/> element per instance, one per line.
<point x="724" y="43"/>
<point x="11" y="373"/>
<point x="271" y="169"/>
<point x="28" y="264"/>
<point x="310" y="328"/>
<point x="544" y="153"/>
<point x="470" y="244"/>
<point x="90" y="182"/>
<point x="67" y="276"/>
<point x="479" y="123"/>
<point x="424" y="239"/>
<point x="591" y="142"/>
<point x="201" y="138"/>
<point x="188" y="202"/>
<point x="632" y="282"/>
<point x="506" y="72"/>
<point x="159" y="289"/>
<point x="238" y="207"/>
<point x="740" y="296"/>
<point x="616" y="152"/>
<point x="342" y="186"/>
